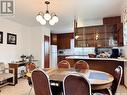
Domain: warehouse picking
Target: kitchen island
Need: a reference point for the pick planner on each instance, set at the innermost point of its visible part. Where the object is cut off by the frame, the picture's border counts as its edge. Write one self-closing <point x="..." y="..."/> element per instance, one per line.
<point x="103" y="64"/>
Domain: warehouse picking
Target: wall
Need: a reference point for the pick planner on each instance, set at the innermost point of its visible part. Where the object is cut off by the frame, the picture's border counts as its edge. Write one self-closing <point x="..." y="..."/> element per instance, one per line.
<point x="10" y="52"/>
<point x="30" y="40"/>
<point x="77" y="51"/>
<point x="125" y="48"/>
<point x="37" y="43"/>
<point x="92" y="22"/>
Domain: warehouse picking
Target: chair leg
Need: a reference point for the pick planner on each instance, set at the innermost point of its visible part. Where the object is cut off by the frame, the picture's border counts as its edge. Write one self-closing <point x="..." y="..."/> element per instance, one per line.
<point x="30" y="91"/>
<point x="110" y="92"/>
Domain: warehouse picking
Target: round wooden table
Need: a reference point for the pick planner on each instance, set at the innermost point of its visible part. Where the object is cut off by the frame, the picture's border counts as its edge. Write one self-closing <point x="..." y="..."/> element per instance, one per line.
<point x="98" y="79"/>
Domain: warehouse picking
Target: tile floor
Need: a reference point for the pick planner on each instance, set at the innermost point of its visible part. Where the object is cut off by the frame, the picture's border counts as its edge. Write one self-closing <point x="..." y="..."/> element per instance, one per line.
<point x="22" y="88"/>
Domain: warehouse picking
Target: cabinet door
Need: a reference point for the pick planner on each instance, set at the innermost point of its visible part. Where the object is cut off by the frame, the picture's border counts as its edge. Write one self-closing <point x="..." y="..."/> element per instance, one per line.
<point x="78" y="37"/>
<point x="64" y="40"/>
<point x="120" y="34"/>
<point x="100" y="36"/>
<point x="89" y="36"/>
<point x="53" y="39"/>
<point x="111" y="35"/>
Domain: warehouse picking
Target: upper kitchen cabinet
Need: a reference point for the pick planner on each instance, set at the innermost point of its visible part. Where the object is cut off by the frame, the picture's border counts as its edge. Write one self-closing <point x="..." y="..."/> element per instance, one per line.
<point x="53" y="39"/>
<point x="92" y="36"/>
<point x="115" y="22"/>
<point x="108" y="35"/>
<point x="79" y="35"/>
<point x="64" y="40"/>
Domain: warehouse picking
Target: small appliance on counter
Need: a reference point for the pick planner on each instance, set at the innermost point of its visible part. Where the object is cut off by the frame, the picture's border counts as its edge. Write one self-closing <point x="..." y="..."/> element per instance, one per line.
<point x="115" y="53"/>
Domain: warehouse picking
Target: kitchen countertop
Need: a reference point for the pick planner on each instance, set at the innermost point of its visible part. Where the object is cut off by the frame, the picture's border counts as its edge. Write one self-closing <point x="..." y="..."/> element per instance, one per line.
<point x="87" y="58"/>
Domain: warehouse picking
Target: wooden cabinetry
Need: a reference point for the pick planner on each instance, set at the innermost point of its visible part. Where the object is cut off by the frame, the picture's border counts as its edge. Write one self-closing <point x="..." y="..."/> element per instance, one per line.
<point x="118" y="34"/>
<point x="63" y="40"/>
<point x="108" y="35"/>
<point x="53" y="39"/>
<point x="15" y="66"/>
<point x="93" y="36"/>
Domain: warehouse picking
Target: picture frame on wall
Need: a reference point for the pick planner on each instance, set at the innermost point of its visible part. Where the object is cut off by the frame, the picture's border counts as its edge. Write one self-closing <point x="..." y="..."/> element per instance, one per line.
<point x="11" y="38"/>
<point x="1" y="37"/>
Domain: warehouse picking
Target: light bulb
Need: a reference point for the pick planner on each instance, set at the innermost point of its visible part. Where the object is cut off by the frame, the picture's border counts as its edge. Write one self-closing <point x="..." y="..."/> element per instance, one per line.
<point x="51" y="22"/>
<point x="39" y="18"/>
<point x="55" y="19"/>
<point x="47" y="16"/>
<point x="42" y="21"/>
<point x="76" y="37"/>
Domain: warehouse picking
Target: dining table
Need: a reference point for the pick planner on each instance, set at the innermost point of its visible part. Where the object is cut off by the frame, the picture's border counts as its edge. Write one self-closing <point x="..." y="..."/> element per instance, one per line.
<point x="98" y="79"/>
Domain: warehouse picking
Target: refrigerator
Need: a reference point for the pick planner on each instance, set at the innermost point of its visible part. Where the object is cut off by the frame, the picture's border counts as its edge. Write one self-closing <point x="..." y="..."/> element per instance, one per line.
<point x="53" y="57"/>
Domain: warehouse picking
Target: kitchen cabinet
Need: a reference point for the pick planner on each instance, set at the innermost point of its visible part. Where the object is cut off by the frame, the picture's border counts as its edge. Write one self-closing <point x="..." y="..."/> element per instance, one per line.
<point x="92" y="36"/>
<point x="108" y="35"/>
<point x="64" y="40"/>
<point x="53" y="39"/>
<point x="118" y="34"/>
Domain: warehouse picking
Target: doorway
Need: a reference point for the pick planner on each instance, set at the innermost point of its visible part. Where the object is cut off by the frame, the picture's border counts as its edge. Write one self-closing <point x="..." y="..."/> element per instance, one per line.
<point x="46" y="52"/>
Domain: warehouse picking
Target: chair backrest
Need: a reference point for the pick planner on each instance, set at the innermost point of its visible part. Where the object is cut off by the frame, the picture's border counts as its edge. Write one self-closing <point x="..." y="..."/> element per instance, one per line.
<point x="117" y="79"/>
<point x="81" y="65"/>
<point x="41" y="83"/>
<point x="76" y="85"/>
<point x="30" y="67"/>
<point x="63" y="64"/>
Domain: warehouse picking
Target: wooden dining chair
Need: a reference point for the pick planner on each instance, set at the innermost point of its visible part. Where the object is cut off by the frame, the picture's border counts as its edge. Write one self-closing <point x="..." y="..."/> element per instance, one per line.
<point x="118" y="72"/>
<point x="29" y="68"/>
<point x="41" y="83"/>
<point x="63" y="64"/>
<point x="76" y="85"/>
<point x="81" y="65"/>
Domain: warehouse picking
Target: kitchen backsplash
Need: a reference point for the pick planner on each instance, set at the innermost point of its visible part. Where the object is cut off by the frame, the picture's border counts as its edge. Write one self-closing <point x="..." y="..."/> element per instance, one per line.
<point x="89" y="50"/>
<point x="76" y="51"/>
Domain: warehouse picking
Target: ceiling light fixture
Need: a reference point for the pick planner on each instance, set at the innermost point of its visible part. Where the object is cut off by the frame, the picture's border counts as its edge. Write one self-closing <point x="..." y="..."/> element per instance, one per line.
<point x="47" y="17"/>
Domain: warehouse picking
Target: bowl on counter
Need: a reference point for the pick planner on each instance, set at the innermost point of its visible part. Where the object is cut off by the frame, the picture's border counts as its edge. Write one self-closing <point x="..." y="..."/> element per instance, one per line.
<point x="92" y="55"/>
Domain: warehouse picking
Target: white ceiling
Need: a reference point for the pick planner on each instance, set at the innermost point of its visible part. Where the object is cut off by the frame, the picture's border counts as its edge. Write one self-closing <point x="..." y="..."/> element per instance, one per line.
<point x="83" y="10"/>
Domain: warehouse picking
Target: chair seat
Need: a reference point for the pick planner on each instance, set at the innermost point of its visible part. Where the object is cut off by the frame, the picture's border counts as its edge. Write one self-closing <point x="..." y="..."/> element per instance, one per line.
<point x="5" y="76"/>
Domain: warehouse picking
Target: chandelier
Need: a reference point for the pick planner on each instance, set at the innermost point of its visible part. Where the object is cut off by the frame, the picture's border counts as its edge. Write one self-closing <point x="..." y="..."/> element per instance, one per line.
<point x="43" y="18"/>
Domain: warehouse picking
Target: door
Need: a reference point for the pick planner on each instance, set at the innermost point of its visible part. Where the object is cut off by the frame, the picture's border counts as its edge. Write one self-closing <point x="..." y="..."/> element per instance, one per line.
<point x="46" y="52"/>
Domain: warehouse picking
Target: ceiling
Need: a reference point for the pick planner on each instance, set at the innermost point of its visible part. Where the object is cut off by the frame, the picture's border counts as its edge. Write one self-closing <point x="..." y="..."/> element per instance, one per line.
<point x="67" y="10"/>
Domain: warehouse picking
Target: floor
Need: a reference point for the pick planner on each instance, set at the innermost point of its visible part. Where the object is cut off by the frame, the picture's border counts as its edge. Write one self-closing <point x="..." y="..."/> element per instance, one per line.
<point x="22" y="88"/>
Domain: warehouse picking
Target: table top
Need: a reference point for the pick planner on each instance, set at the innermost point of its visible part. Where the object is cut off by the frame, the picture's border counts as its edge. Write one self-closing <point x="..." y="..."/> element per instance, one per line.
<point x="93" y="76"/>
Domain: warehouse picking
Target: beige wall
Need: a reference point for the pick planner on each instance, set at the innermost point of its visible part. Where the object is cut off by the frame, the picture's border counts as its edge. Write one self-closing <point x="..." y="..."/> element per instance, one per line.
<point x="29" y="41"/>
